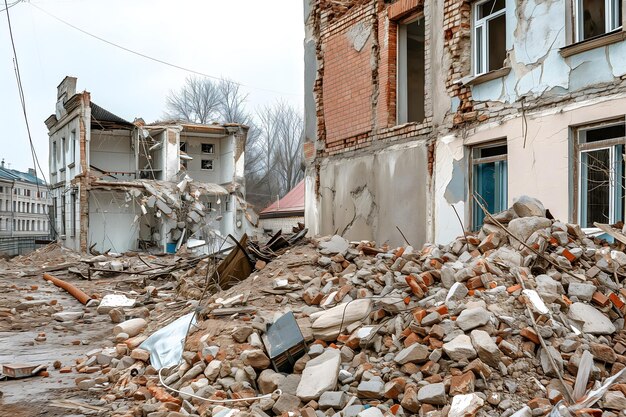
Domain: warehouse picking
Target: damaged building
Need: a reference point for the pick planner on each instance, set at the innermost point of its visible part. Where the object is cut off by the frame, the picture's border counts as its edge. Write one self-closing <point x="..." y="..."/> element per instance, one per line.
<point x="121" y="186"/>
<point x="413" y="107"/>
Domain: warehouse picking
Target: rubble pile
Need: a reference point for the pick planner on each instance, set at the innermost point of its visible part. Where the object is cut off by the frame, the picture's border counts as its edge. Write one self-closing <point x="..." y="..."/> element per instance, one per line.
<point x="522" y="318"/>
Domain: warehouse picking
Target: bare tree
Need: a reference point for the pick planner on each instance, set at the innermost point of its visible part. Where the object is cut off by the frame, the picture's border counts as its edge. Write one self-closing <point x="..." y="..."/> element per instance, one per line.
<point x="273" y="157"/>
<point x="198" y="101"/>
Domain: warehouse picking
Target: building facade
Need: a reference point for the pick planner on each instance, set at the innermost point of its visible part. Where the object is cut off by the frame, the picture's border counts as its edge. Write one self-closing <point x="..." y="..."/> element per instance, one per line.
<point x="24" y="203"/>
<point x="121" y="186"/>
<point x="412" y="107"/>
<point x="284" y="214"/>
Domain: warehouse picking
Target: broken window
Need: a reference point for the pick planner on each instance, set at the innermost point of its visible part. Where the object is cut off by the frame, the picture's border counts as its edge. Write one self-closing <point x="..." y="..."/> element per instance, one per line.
<point x="207" y="148"/>
<point x="411" y="82"/>
<point x="207" y="164"/>
<point x="601" y="165"/>
<point x="489" y="35"/>
<point x="597" y="17"/>
<point x="489" y="180"/>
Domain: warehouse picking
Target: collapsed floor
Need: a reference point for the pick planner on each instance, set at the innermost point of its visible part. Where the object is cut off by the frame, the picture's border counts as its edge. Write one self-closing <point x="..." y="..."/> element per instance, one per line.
<point x="524" y="318"/>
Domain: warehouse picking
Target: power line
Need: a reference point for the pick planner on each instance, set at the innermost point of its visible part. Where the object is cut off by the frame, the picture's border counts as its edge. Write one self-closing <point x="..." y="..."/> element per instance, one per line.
<point x="20" y="90"/>
<point x="8" y="6"/>
<point x="160" y="61"/>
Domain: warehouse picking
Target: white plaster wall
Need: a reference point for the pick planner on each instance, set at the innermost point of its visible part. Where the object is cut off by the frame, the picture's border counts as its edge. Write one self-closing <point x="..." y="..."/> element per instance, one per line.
<point x="540" y="168"/>
<point x="535" y="33"/>
<point x="194" y="149"/>
<point x="113" y="221"/>
<point x="366" y="197"/>
<point x="227" y="159"/>
<point x="284" y="224"/>
<point x="112" y="151"/>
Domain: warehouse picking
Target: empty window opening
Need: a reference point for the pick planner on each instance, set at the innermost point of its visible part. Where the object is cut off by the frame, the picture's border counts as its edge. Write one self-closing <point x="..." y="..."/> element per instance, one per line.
<point x="601" y="167"/>
<point x="63" y="152"/>
<point x="411" y="76"/>
<point x="207" y="164"/>
<point x="54" y="156"/>
<point x="73" y="215"/>
<point x="208" y="148"/>
<point x="489" y="36"/>
<point x="597" y="17"/>
<point x="489" y="180"/>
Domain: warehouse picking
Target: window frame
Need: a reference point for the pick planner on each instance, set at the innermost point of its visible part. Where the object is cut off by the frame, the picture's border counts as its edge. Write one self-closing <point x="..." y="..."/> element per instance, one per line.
<point x="584" y="147"/>
<point x="212" y="145"/>
<point x="483" y="25"/>
<point x="609" y="17"/>
<point x="402" y="96"/>
<point x="207" y="169"/>
<point x="477" y="161"/>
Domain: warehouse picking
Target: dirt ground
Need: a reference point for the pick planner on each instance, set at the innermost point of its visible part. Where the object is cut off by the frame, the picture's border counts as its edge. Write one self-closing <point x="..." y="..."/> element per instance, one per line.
<point x="27" y="304"/>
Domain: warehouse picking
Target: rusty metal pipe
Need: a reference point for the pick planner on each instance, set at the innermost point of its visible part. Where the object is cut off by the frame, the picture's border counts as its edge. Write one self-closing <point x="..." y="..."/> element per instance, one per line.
<point x="75" y="292"/>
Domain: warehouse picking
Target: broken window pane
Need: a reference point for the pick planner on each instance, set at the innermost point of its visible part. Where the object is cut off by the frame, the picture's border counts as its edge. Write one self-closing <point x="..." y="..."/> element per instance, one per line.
<point x="207" y="164"/>
<point x="596" y="186"/>
<point x="602" y="174"/>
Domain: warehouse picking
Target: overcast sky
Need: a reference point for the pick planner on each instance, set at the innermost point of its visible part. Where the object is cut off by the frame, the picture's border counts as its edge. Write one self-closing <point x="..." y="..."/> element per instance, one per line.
<point x="257" y="43"/>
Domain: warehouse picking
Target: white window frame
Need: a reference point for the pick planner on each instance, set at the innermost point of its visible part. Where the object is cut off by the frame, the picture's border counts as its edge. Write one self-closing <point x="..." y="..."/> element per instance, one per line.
<point x="613" y="183"/>
<point x="611" y="18"/>
<point x="207" y="169"/>
<point x="212" y="145"/>
<point x="484" y="27"/>
<point x="73" y="146"/>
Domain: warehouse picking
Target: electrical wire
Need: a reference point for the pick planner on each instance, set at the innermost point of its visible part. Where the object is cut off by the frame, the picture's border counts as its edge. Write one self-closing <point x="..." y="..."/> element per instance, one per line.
<point x="7" y="7"/>
<point x="20" y="90"/>
<point x="160" y="61"/>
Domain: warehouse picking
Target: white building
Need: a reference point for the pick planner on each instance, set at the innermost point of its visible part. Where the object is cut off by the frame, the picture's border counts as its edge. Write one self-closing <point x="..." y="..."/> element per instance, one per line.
<point x="128" y="186"/>
<point x="24" y="203"/>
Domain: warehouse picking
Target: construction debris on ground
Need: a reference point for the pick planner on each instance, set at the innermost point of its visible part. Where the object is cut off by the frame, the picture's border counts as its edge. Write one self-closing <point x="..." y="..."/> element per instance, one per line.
<point x="523" y="318"/>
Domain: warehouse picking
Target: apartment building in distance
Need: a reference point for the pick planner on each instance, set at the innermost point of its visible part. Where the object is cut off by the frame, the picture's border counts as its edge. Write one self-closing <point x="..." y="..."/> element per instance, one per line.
<point x="24" y="203"/>
<point x="120" y="185"/>
<point x="413" y="106"/>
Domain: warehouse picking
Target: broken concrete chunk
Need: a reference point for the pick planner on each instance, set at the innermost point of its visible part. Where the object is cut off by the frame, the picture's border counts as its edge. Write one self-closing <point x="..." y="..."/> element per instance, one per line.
<point x="473" y="317"/>
<point x="523" y="227"/>
<point x="131" y="327"/>
<point x="319" y="375"/>
<point x="486" y="348"/>
<point x="594" y="321"/>
<point x="334" y="245"/>
<point x="434" y="394"/>
<point x="415" y="353"/>
<point x="526" y="206"/>
<point x="326" y="325"/>
<point x="460" y="348"/>
<point x="465" y="405"/>
<point x="111" y="301"/>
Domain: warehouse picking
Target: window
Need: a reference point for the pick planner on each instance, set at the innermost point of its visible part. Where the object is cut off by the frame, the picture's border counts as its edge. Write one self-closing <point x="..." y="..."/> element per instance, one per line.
<point x="208" y="148"/>
<point x="73" y="215"/>
<point x="489" y="36"/>
<point x="183" y="146"/>
<point x="601" y="179"/>
<point x="54" y="156"/>
<point x="411" y="79"/>
<point x="206" y="164"/>
<point x="597" y="17"/>
<point x="489" y="180"/>
<point x="63" y="215"/>
<point x="63" y="152"/>
<point x="73" y="145"/>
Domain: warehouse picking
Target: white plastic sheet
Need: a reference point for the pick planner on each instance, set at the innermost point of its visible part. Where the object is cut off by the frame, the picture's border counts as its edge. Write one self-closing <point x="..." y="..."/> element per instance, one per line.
<point x="166" y="344"/>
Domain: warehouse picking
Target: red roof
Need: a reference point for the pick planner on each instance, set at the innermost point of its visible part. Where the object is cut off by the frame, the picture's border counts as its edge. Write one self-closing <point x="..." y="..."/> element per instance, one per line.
<point x="291" y="204"/>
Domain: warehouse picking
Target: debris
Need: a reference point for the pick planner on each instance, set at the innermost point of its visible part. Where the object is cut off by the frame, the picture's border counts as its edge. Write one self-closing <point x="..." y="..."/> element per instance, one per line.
<point x="165" y="345"/>
<point x="75" y="292"/>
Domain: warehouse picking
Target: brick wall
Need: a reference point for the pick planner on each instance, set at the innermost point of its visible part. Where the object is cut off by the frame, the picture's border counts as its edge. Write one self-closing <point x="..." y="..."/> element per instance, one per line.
<point x="347" y="86"/>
